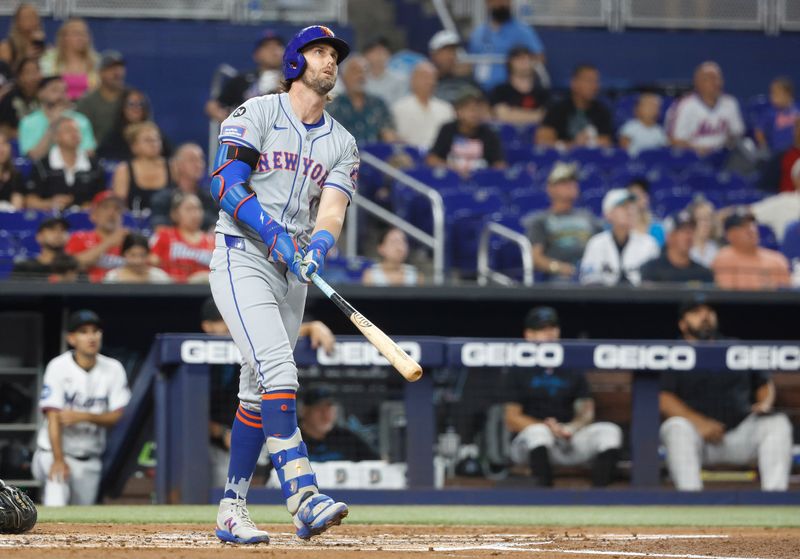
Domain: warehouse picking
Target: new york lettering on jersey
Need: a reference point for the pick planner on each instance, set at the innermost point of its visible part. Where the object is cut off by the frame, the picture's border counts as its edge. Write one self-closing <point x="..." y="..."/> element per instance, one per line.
<point x="297" y="161"/>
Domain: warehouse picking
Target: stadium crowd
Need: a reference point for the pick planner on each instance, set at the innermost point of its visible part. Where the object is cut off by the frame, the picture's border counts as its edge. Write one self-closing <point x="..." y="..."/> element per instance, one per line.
<point x="610" y="188"/>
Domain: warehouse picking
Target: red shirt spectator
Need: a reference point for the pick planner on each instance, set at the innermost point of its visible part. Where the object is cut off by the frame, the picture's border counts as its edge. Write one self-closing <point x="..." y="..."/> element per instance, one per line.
<point x="184" y="251"/>
<point x="98" y="251"/>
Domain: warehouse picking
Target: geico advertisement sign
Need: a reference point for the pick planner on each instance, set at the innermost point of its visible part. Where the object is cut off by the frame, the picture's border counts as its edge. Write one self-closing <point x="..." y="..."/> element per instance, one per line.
<point x="363" y="353"/>
<point x="644" y="357"/>
<point x="502" y="354"/>
<point x="220" y="352"/>
<point x="772" y="358"/>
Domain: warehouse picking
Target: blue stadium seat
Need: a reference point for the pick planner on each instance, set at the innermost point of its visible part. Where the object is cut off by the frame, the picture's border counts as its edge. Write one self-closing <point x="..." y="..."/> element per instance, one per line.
<point x="668" y="157"/>
<point x="592" y="199"/>
<point x="20" y="221"/>
<point x="666" y="202"/>
<point x="518" y="155"/>
<point x="528" y="200"/>
<point x="438" y="178"/>
<point x="8" y="250"/>
<point x="544" y="156"/>
<point x="791" y="241"/>
<point x="79" y="221"/>
<point x="754" y="109"/>
<point x="603" y="159"/>
<point x="767" y="237"/>
<point x="494" y="178"/>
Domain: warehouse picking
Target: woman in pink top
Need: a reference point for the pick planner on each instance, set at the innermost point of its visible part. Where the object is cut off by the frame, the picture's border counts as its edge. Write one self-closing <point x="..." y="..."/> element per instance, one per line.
<point x="73" y="58"/>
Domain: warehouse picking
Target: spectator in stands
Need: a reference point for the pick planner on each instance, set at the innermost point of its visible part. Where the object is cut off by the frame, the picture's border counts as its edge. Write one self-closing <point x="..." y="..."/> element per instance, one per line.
<point x="778" y="211"/>
<point x="675" y="265"/>
<point x="714" y="418"/>
<point x="102" y="105"/>
<point x="51" y="236"/>
<point x="36" y="131"/>
<point x="706" y="120"/>
<point x="790" y="164"/>
<point x="189" y="175"/>
<point x="497" y="37"/>
<point x="704" y="246"/>
<point x="520" y="100"/>
<point x="64" y="269"/>
<point x="184" y="251"/>
<point x="559" y="233"/>
<point x="22" y="98"/>
<point x="419" y="115"/>
<point x="392" y="269"/>
<point x="743" y="264"/>
<point x="134" y="109"/>
<point x="146" y="172"/>
<point x="67" y="176"/>
<point x="365" y="116"/>
<point x="83" y="394"/>
<point x="264" y="79"/>
<point x="551" y="414"/>
<point x="775" y="130"/>
<point x="468" y="143"/>
<point x="26" y="38"/>
<point x="136" y="269"/>
<point x="454" y="78"/>
<point x="11" y="196"/>
<point x="643" y="132"/>
<point x="99" y="250"/>
<point x="73" y="58"/>
<point x="580" y="119"/>
<point x="645" y="221"/>
<point x="614" y="257"/>
<point x="325" y="439"/>
<point x="383" y="82"/>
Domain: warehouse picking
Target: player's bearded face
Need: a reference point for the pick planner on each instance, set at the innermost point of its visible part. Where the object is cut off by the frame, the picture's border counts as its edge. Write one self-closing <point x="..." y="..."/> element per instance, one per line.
<point x="321" y="69"/>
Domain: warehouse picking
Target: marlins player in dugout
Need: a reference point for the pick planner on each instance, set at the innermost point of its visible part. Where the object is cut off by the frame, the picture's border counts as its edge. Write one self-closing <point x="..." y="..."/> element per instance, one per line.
<point x="284" y="175"/>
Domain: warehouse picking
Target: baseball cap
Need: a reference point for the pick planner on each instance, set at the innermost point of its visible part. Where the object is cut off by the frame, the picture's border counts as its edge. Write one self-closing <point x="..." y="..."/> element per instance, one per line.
<point x="562" y="172"/>
<point x="541" y="317"/>
<point x="442" y="39"/>
<point x="109" y="58"/>
<point x="740" y="216"/>
<point x="317" y="394"/>
<point x="468" y="94"/>
<point x="680" y="219"/>
<point x="82" y="318"/>
<point x="104" y="196"/>
<point x="616" y="197"/>
<point x="50" y="222"/>
<point x="691" y="303"/>
<point x="47" y="80"/>
<point x="268" y="35"/>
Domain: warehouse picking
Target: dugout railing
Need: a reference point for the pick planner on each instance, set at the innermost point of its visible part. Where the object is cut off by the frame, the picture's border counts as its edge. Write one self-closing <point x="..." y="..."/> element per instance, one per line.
<point x="175" y="381"/>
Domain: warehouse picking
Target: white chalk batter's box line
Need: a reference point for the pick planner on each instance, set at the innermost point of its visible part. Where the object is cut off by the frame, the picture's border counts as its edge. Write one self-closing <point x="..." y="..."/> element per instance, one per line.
<point x="378" y="542"/>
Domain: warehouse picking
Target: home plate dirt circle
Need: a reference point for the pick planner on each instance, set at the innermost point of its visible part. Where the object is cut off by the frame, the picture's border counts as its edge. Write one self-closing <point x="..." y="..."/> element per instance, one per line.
<point x="112" y="541"/>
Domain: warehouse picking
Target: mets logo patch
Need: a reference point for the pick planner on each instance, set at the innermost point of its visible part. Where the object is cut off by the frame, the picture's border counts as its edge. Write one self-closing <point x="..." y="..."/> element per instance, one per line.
<point x="326" y="30"/>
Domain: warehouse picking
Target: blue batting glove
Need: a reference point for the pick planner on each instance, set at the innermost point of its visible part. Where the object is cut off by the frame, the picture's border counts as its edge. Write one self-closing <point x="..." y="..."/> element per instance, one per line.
<point x="321" y="242"/>
<point x="281" y="246"/>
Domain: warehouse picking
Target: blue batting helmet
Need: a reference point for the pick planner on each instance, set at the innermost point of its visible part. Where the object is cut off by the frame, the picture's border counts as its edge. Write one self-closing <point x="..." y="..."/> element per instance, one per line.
<point x="294" y="62"/>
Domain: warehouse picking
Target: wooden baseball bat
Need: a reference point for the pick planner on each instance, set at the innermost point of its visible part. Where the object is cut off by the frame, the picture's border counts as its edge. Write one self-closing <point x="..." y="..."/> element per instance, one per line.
<point x="399" y="359"/>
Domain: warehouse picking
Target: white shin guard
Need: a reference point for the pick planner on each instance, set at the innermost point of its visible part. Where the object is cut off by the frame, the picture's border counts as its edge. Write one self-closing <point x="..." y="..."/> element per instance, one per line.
<point x="290" y="458"/>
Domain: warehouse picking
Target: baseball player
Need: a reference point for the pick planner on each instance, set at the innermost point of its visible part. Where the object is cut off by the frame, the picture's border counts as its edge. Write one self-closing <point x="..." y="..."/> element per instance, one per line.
<point x="552" y="415"/>
<point x="284" y="174"/>
<point x="83" y="394"/>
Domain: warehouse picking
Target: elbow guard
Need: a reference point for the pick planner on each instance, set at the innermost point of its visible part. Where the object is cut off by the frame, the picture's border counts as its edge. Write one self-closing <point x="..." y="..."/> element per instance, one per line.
<point x="232" y="166"/>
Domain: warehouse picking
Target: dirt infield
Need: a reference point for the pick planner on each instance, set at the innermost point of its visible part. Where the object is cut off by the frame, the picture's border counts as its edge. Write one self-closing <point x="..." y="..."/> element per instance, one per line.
<point x="115" y="541"/>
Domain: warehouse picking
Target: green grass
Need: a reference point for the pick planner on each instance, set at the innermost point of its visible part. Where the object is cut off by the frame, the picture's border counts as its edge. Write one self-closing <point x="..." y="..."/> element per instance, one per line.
<point x="463" y="515"/>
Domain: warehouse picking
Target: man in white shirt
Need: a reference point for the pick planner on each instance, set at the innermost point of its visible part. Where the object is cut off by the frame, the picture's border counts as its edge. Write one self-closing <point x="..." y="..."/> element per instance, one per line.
<point x="83" y="394"/>
<point x="778" y="211"/>
<point x="707" y="119"/>
<point x="615" y="256"/>
<point x="419" y="115"/>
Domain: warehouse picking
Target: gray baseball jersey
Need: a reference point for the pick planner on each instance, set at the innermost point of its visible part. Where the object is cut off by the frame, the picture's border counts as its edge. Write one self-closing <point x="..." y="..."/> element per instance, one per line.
<point x="297" y="161"/>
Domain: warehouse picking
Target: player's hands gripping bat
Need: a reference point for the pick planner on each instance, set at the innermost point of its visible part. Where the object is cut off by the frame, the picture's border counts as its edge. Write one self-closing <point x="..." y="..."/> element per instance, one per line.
<point x="399" y="359"/>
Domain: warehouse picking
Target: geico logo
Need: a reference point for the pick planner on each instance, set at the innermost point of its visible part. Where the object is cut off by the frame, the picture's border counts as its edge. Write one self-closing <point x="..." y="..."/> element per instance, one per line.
<point x="500" y="354"/>
<point x="654" y="357"/>
<point x="362" y="353"/>
<point x="779" y="357"/>
<point x="213" y="352"/>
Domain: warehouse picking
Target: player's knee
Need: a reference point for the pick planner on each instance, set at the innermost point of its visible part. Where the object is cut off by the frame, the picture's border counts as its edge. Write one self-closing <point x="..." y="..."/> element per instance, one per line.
<point x="677" y="428"/>
<point x="609" y="435"/>
<point x="537" y="435"/>
<point x="777" y="425"/>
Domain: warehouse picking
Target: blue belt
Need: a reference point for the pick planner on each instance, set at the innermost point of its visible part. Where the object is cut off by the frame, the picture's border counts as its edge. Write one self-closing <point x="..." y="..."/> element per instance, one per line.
<point x="234" y="242"/>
